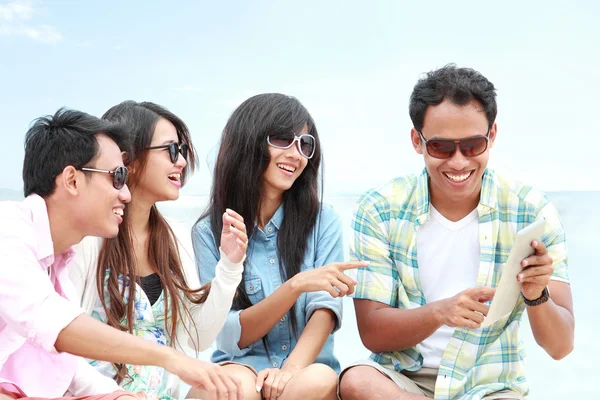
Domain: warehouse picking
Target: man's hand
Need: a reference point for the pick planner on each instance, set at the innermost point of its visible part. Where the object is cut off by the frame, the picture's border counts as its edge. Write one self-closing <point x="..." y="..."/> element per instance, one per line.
<point x="205" y="376"/>
<point x="466" y="308"/>
<point x="536" y="273"/>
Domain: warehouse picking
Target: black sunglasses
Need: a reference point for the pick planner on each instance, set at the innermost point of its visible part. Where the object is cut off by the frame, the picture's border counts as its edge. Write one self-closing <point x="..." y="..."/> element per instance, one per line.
<point x="174" y="150"/>
<point x="306" y="143"/>
<point x="119" y="175"/>
<point x="445" y="148"/>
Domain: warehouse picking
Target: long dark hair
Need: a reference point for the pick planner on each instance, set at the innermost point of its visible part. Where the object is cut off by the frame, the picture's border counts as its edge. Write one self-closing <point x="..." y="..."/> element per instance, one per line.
<point x="238" y="180"/>
<point x="163" y="252"/>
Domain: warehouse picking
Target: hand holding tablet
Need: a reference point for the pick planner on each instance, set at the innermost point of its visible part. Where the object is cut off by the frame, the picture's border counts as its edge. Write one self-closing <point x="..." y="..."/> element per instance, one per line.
<point x="509" y="288"/>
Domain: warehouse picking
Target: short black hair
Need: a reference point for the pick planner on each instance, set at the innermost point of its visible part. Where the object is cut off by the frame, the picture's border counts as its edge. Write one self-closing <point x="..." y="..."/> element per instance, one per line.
<point x="56" y="141"/>
<point x="460" y="85"/>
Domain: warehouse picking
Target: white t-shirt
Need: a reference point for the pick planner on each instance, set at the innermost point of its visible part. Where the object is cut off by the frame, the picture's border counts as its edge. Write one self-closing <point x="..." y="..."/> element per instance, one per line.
<point x="448" y="259"/>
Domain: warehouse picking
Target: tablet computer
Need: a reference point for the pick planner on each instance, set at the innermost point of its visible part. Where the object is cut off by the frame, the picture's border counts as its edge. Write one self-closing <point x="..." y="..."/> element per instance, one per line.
<point x="509" y="288"/>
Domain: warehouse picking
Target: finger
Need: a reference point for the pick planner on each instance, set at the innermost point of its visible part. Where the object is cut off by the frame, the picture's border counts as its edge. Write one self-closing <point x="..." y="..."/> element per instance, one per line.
<point x="268" y="388"/>
<point x="275" y="392"/>
<point x="481" y="293"/>
<point x="535" y="271"/>
<point x="351" y="265"/>
<point x="260" y="379"/>
<point x="243" y="245"/>
<point x="226" y="225"/>
<point x="211" y="389"/>
<point x="544" y="259"/>
<point x="345" y="279"/>
<point x="342" y="288"/>
<point x="219" y="384"/>
<point x="236" y="222"/>
<point x="241" y="235"/>
<point x="541" y="280"/>
<point x="331" y="290"/>
<point x="232" y="388"/>
<point x="477" y="307"/>
<point x="469" y="323"/>
<point x="234" y="214"/>
<point x="540" y="247"/>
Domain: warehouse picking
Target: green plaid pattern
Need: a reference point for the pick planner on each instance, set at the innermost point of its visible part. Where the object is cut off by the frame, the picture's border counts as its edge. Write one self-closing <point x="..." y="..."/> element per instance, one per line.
<point x="477" y="362"/>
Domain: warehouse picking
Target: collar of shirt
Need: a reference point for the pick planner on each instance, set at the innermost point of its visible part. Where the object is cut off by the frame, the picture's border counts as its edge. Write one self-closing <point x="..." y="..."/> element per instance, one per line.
<point x="488" y="199"/>
<point x="274" y="223"/>
<point x="41" y="225"/>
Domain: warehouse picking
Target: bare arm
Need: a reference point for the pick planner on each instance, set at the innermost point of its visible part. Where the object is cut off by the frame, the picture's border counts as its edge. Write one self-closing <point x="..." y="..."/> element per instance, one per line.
<point x="87" y="337"/>
<point x="312" y="339"/>
<point x="259" y="319"/>
<point x="553" y="323"/>
<point x="385" y="328"/>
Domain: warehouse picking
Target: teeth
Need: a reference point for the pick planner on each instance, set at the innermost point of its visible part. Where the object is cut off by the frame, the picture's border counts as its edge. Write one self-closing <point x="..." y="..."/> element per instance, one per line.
<point x="287" y="167"/>
<point x="458" y="178"/>
<point x="175" y="177"/>
<point x="118" y="211"/>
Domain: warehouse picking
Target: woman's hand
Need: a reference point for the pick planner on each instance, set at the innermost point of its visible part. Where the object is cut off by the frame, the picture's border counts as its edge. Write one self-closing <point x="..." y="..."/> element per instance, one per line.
<point x="330" y="278"/>
<point x="234" y="240"/>
<point x="272" y="381"/>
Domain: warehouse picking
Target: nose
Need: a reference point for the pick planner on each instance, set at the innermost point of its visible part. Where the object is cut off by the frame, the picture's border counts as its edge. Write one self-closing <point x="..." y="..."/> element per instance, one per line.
<point x="294" y="151"/>
<point x="458" y="161"/>
<point x="125" y="194"/>
<point x="181" y="161"/>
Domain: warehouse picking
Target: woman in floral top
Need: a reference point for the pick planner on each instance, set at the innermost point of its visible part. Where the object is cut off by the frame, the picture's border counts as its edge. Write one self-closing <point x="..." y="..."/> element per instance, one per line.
<point x="147" y="261"/>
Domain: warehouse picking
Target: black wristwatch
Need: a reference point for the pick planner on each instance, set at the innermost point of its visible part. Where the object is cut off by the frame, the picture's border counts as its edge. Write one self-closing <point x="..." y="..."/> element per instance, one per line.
<point x="540" y="300"/>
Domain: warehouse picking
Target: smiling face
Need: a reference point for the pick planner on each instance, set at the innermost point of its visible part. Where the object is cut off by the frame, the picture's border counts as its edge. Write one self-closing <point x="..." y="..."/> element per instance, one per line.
<point x="100" y="206"/>
<point x="285" y="166"/>
<point x="454" y="183"/>
<point x="160" y="178"/>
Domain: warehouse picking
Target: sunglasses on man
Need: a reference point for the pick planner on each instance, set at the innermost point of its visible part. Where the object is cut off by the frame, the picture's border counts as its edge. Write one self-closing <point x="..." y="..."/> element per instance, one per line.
<point x="174" y="150"/>
<point x="306" y="143"/>
<point x="445" y="148"/>
<point x="119" y="175"/>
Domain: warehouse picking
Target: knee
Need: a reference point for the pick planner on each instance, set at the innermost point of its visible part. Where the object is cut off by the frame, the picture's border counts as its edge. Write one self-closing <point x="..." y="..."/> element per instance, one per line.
<point x="352" y="382"/>
<point x="323" y="380"/>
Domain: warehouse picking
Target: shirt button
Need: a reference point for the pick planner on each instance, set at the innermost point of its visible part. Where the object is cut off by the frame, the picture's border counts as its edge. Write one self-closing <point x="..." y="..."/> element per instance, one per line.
<point x="282" y="319"/>
<point x="272" y="261"/>
<point x="275" y="365"/>
<point x="284" y="347"/>
<point x="269" y="229"/>
<point x="251" y="287"/>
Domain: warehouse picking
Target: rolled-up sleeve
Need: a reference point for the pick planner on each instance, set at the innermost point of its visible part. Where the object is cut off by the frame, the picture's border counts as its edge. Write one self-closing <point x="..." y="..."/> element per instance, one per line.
<point x="207" y="257"/>
<point x="330" y="249"/>
<point x="29" y="304"/>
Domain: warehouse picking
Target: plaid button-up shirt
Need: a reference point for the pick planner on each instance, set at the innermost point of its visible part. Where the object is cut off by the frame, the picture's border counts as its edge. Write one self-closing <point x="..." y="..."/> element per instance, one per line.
<point x="476" y="362"/>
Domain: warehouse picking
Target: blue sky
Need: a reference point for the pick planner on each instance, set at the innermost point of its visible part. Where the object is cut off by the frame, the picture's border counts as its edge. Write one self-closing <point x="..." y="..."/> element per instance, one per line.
<point x="352" y="64"/>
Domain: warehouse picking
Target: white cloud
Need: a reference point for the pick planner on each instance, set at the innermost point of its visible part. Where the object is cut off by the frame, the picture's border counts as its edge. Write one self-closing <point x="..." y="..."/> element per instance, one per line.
<point x="16" y="10"/>
<point x="13" y="16"/>
<point x="42" y="33"/>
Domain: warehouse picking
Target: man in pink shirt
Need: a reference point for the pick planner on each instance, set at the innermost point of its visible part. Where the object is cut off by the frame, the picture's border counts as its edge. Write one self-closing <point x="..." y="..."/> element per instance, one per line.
<point x="75" y="186"/>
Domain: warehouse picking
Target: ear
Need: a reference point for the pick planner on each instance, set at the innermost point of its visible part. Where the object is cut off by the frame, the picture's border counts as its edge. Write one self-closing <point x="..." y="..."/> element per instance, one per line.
<point x="70" y="180"/>
<point x="493" y="132"/>
<point x="415" y="139"/>
<point x="125" y="157"/>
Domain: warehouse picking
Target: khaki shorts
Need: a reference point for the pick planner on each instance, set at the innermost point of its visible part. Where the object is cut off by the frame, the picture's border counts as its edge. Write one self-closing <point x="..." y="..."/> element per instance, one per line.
<point x="421" y="382"/>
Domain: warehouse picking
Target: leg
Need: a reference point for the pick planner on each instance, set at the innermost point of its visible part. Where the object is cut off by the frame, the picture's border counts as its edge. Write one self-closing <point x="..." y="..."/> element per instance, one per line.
<point x="244" y="374"/>
<point x="317" y="381"/>
<point x="364" y="382"/>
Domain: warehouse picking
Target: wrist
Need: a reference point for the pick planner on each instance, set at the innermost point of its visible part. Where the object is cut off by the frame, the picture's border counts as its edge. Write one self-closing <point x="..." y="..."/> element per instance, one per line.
<point x="293" y="286"/>
<point x="169" y="359"/>
<point x="436" y="311"/>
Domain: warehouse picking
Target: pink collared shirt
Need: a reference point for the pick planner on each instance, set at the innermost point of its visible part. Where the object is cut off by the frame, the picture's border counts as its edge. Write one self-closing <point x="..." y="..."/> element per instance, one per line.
<point x="37" y="301"/>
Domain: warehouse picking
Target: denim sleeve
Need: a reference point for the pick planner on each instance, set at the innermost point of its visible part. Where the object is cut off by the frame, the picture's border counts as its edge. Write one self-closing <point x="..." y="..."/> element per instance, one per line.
<point x="207" y="256"/>
<point x="329" y="249"/>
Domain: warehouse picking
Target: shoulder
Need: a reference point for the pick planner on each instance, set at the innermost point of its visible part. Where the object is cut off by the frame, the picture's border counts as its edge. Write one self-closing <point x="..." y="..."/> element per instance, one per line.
<point x="401" y="195"/>
<point x="202" y="227"/>
<point x="17" y="222"/>
<point x="516" y="195"/>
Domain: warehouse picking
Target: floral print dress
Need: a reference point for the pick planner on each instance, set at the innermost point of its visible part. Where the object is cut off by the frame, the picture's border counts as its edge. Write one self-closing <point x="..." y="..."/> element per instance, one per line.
<point x="147" y="382"/>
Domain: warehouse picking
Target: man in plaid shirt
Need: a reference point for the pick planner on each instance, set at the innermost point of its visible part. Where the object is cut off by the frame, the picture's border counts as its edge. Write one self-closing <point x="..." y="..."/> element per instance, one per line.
<point x="437" y="244"/>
